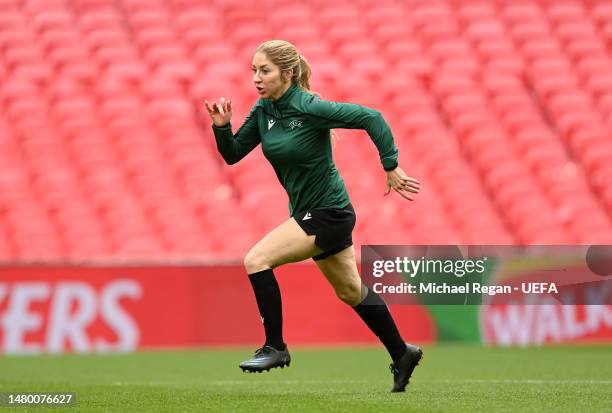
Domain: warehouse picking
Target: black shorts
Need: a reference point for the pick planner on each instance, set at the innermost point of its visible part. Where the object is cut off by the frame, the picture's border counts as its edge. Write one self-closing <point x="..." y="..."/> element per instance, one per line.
<point x="332" y="228"/>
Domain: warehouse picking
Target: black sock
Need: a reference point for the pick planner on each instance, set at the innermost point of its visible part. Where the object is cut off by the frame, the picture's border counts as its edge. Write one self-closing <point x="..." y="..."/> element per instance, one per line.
<point x="374" y="312"/>
<point x="270" y="306"/>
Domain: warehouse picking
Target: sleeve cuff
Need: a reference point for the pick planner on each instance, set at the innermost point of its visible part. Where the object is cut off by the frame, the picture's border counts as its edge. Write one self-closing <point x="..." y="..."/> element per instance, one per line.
<point x="224" y="127"/>
<point x="390" y="162"/>
<point x="222" y="132"/>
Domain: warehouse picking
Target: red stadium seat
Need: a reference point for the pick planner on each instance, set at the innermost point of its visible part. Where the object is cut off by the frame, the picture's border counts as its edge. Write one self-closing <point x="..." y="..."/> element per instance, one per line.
<point x="504" y="110"/>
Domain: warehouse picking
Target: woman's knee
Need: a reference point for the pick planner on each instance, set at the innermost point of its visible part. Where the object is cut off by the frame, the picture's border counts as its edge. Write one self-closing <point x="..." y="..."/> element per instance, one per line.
<point x="255" y="261"/>
<point x="349" y="294"/>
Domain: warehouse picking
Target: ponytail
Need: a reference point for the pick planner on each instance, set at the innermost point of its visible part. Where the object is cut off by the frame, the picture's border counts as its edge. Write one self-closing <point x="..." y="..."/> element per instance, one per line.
<point x="303" y="74"/>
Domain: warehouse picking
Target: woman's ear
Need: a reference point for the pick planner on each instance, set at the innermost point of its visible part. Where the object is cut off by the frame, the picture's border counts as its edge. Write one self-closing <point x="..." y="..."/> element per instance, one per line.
<point x="287" y="75"/>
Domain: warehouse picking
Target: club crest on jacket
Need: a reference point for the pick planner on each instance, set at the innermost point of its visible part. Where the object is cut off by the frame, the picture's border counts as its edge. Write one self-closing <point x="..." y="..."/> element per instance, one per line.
<point x="295" y="124"/>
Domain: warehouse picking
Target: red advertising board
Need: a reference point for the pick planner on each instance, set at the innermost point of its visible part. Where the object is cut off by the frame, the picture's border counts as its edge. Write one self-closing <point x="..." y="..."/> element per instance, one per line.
<point x="539" y="324"/>
<point x="90" y="309"/>
<point x="579" y="313"/>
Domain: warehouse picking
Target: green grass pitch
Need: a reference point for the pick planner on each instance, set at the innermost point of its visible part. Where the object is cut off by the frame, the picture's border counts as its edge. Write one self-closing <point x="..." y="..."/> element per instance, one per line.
<point x="450" y="379"/>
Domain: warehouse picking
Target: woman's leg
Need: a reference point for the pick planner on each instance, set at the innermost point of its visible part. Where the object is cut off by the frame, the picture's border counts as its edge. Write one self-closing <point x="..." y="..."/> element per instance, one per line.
<point x="286" y="243"/>
<point x="341" y="271"/>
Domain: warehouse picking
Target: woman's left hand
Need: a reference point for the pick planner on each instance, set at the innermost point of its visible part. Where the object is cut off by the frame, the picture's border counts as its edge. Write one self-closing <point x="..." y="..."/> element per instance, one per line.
<point x="402" y="184"/>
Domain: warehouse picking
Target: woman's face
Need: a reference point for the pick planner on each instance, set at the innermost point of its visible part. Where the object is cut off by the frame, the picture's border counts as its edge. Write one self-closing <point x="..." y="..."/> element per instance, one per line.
<point x="269" y="81"/>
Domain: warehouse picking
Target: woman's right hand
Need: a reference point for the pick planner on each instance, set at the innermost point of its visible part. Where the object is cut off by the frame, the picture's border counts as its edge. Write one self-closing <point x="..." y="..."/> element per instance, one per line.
<point x="220" y="112"/>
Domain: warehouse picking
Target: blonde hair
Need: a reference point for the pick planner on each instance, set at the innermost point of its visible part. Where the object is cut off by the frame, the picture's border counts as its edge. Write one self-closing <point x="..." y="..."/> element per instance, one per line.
<point x="286" y="56"/>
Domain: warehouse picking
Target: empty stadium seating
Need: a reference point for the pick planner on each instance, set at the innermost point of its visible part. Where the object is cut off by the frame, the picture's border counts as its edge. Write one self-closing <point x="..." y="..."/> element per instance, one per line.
<point x="503" y="110"/>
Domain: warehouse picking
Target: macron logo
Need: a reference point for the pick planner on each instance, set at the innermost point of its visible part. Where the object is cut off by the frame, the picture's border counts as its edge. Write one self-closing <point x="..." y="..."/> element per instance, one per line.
<point x="270" y="123"/>
<point x="307" y="216"/>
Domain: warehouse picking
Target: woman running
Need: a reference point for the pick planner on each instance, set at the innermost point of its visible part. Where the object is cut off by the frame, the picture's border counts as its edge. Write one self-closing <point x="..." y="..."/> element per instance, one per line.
<point x="293" y="125"/>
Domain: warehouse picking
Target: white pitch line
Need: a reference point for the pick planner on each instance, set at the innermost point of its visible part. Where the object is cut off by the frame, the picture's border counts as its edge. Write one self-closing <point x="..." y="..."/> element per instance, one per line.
<point x="528" y="381"/>
<point x="242" y="382"/>
<point x="238" y="382"/>
<point x="332" y="382"/>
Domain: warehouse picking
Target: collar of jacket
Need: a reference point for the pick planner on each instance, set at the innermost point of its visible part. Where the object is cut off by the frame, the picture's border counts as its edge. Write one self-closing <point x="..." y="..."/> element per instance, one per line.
<point x="282" y="102"/>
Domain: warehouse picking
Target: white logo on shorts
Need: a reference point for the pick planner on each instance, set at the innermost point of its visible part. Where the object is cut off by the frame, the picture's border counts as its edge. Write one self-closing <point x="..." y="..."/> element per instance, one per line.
<point x="270" y="123"/>
<point x="307" y="216"/>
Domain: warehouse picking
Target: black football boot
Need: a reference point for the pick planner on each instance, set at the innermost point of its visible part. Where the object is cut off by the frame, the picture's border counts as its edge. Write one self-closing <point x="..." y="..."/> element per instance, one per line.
<point x="403" y="368"/>
<point x="266" y="358"/>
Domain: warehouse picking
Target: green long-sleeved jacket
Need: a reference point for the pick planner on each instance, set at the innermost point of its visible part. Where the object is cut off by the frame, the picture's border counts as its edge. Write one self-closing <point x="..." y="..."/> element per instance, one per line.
<point x="294" y="132"/>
